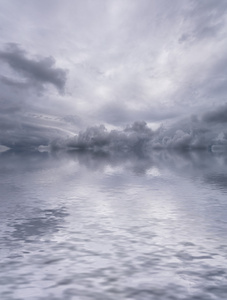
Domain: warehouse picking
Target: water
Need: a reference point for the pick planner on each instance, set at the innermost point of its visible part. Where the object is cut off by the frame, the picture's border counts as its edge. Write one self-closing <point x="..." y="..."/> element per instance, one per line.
<point x="96" y="226"/>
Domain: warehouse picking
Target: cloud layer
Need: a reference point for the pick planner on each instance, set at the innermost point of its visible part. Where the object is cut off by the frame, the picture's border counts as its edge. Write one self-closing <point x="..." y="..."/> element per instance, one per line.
<point x="70" y="66"/>
<point x="188" y="134"/>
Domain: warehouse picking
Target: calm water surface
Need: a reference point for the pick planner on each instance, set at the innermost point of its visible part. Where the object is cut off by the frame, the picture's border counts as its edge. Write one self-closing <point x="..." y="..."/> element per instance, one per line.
<point x="96" y="226"/>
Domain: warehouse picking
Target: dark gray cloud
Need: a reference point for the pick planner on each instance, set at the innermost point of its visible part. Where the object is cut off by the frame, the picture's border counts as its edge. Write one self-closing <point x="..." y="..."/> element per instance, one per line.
<point x="24" y="98"/>
<point x="218" y="115"/>
<point x="40" y="71"/>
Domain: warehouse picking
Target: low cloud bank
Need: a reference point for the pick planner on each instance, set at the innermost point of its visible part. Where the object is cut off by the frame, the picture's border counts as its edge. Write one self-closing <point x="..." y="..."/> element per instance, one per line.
<point x="205" y="132"/>
<point x="189" y="134"/>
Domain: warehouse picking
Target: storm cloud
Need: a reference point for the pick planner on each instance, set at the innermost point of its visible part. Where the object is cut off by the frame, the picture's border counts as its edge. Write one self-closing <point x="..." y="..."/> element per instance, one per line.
<point x="39" y="71"/>
<point x="67" y="68"/>
<point x="218" y="115"/>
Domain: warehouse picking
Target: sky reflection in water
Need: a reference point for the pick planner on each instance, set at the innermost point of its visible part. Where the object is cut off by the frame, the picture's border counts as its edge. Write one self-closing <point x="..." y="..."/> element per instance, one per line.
<point x="83" y="225"/>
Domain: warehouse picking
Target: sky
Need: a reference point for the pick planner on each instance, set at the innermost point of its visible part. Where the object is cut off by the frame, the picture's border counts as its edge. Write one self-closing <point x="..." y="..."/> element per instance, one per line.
<point x="67" y="66"/>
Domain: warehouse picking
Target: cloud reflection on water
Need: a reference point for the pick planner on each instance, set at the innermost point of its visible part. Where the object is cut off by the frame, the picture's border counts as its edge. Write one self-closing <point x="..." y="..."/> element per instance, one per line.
<point x="211" y="167"/>
<point x="95" y="225"/>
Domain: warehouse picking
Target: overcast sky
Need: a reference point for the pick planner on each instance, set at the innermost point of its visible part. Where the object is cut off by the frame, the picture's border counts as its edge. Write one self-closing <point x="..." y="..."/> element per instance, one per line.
<point x="66" y="65"/>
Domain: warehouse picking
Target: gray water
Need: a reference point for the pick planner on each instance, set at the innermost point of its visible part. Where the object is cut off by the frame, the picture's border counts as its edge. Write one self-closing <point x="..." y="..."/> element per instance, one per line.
<point x="103" y="226"/>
